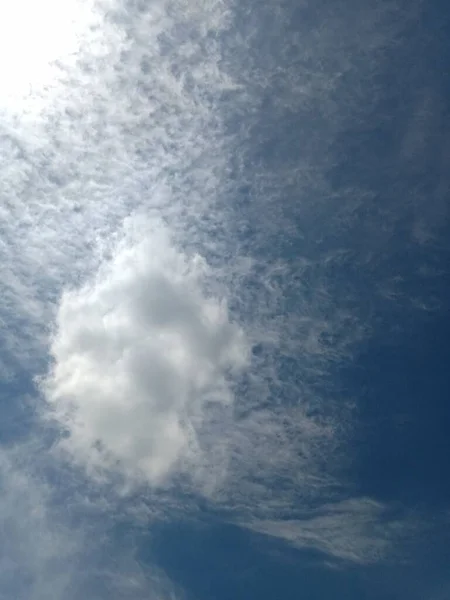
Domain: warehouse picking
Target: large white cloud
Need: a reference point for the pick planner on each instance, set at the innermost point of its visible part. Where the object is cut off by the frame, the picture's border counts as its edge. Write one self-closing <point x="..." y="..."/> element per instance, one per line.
<point x="139" y="353"/>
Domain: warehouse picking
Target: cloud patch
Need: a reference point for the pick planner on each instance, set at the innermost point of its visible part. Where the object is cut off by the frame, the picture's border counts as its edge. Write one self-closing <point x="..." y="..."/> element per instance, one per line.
<point x="356" y="530"/>
<point x="31" y="569"/>
<point x="46" y="551"/>
<point x="138" y="354"/>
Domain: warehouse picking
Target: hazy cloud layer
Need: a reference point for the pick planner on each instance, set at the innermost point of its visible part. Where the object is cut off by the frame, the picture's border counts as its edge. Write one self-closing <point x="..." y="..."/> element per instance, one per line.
<point x="35" y="551"/>
<point x="45" y="553"/>
<point x="358" y="530"/>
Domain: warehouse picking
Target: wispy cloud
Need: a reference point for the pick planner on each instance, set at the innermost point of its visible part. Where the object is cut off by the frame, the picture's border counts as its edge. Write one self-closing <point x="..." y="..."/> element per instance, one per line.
<point x="358" y="530"/>
<point x="35" y="551"/>
<point x="126" y="131"/>
<point x="45" y="553"/>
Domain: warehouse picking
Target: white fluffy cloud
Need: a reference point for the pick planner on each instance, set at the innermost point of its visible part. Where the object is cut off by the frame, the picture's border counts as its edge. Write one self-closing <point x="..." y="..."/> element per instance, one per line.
<point x="139" y="353"/>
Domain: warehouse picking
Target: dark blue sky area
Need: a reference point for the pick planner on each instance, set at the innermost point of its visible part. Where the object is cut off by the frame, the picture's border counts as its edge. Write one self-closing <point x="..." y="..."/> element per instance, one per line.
<point x="403" y="389"/>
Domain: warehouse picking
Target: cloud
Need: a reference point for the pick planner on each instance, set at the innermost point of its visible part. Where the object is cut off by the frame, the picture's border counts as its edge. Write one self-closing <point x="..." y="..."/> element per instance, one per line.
<point x="356" y="530"/>
<point x="153" y="376"/>
<point x="138" y="354"/>
<point x="35" y="552"/>
<point x="126" y="130"/>
<point x="48" y="551"/>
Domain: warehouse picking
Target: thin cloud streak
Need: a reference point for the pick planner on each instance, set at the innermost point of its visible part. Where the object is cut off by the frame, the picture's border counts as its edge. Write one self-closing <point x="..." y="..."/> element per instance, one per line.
<point x="358" y="531"/>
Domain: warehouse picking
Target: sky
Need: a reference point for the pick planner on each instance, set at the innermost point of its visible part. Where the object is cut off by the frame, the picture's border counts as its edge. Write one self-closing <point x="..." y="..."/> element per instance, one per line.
<point x="224" y="279"/>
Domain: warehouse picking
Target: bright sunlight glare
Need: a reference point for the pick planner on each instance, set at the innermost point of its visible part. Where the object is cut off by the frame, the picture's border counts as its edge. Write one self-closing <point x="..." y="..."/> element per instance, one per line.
<point x="34" y="34"/>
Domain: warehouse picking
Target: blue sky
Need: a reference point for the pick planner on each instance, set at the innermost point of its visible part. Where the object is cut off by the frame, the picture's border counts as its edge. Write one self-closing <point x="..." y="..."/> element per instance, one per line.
<point x="224" y="254"/>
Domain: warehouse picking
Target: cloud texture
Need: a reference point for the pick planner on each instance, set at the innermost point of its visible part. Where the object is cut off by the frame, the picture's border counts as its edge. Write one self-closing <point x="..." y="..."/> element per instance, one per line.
<point x="138" y="354"/>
